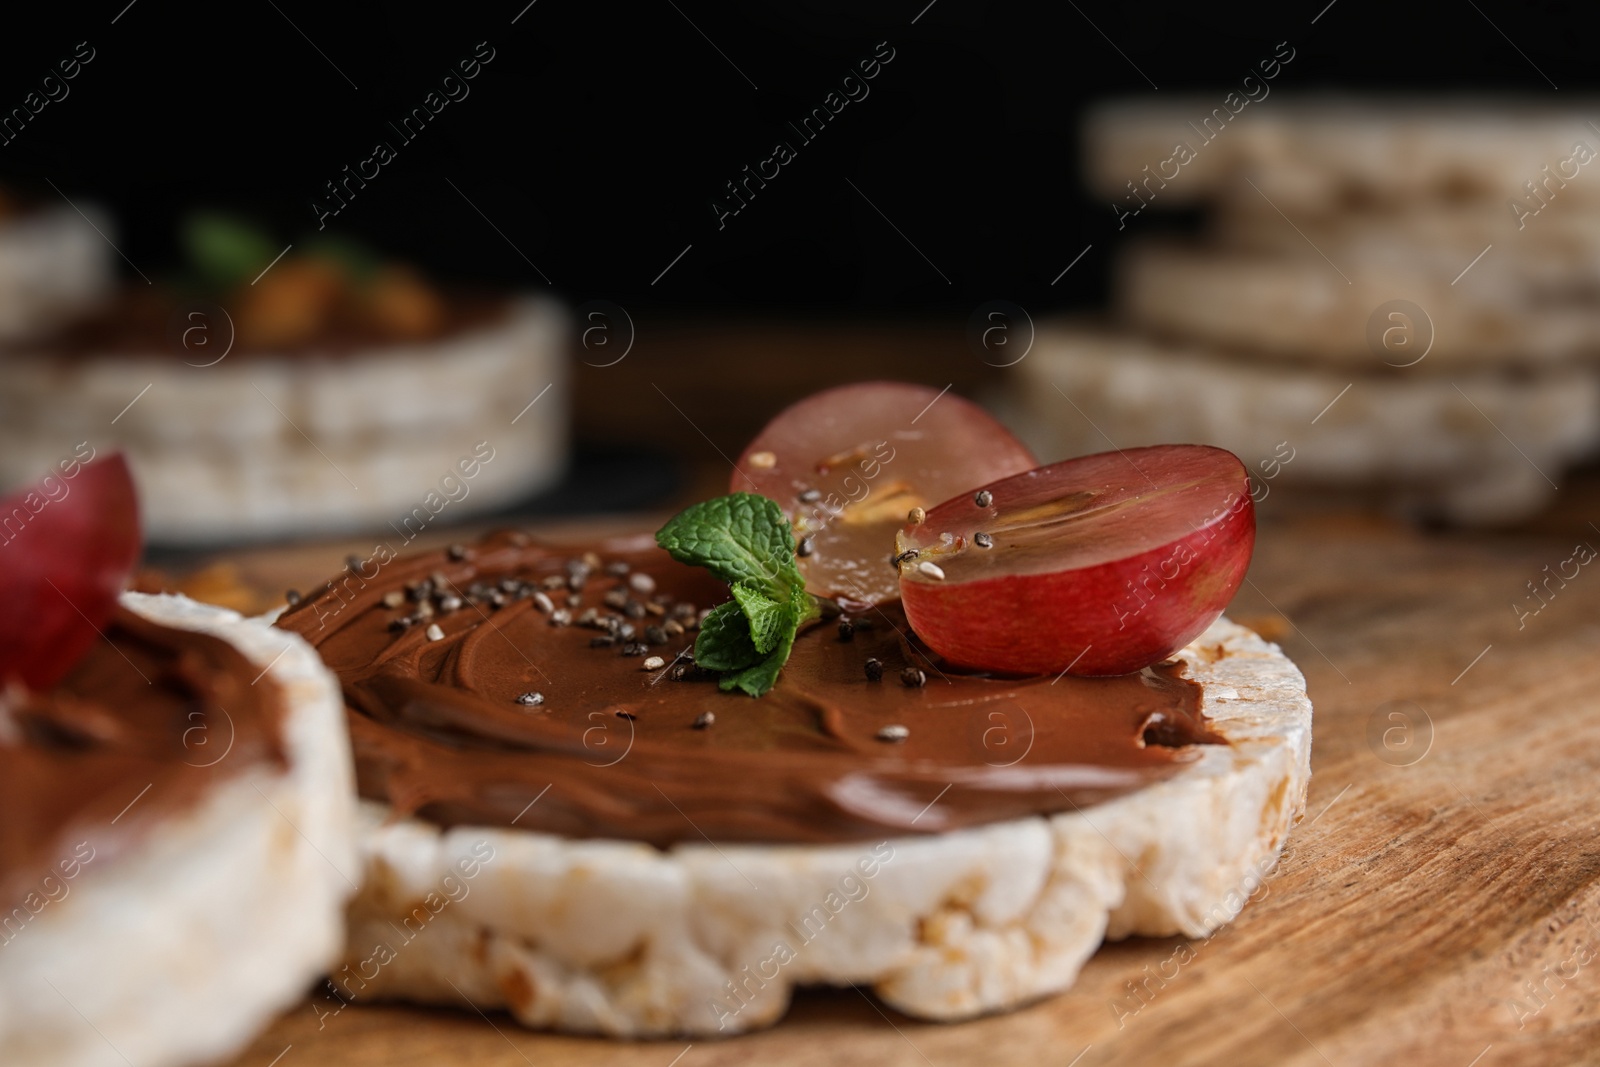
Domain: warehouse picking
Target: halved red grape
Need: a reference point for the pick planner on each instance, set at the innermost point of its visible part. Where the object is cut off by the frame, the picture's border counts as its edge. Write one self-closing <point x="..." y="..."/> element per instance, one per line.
<point x="68" y="544"/>
<point x="1103" y="564"/>
<point x="848" y="464"/>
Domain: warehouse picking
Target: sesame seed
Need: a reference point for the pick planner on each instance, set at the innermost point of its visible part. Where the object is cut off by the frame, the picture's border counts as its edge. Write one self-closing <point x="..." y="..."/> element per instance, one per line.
<point x="656" y="635"/>
<point x="457" y="552"/>
<point x="591" y="560"/>
<point x="983" y="540"/>
<point x="673" y="627"/>
<point x="654" y="663"/>
<point x="704" y="719"/>
<point x="811" y="496"/>
<point x="641" y="582"/>
<point x="624" y="630"/>
<point x="561" y="617"/>
<point x="531" y="700"/>
<point x="552" y="582"/>
<point x="763" y="460"/>
<point x="984" y="498"/>
<point x="450" y="602"/>
<point x="894" y="733"/>
<point x="874" y="669"/>
<point x="617" y="569"/>
<point x="392" y="599"/>
<point x="806" y="546"/>
<point x="616" y="598"/>
<point x="293" y="597"/>
<point x="916" y="516"/>
<point x="635" y="610"/>
<point x="574" y="600"/>
<point x="435" y="633"/>
<point x="655" y="609"/>
<point x="931" y="569"/>
<point x="543" y="602"/>
<point x="913" y="678"/>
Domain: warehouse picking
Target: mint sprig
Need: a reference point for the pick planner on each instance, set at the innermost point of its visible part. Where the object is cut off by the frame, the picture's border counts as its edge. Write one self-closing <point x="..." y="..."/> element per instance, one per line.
<point x="744" y="540"/>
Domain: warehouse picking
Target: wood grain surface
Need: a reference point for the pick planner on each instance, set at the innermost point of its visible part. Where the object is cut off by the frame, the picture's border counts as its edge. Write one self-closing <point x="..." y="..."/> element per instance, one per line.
<point x="1438" y="905"/>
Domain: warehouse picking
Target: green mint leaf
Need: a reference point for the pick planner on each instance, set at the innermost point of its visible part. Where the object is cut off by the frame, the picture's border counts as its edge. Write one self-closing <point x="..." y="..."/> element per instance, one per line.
<point x="768" y="618"/>
<point x="226" y="250"/>
<point x="756" y="680"/>
<point x="741" y="537"/>
<point x="745" y="540"/>
<point x="724" y="642"/>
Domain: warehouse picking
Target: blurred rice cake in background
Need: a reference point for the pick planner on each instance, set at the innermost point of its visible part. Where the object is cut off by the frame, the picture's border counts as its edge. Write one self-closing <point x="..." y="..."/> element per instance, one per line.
<point x="334" y="392"/>
<point x="53" y="266"/>
<point x="1396" y="297"/>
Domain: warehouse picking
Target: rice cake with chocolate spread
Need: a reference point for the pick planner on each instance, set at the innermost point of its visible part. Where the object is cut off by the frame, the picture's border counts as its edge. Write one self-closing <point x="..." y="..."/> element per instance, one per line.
<point x="177" y="850"/>
<point x="650" y="855"/>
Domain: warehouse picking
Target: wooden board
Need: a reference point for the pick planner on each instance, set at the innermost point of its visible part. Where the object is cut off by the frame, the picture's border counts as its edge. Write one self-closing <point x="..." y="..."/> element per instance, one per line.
<point x="1435" y="910"/>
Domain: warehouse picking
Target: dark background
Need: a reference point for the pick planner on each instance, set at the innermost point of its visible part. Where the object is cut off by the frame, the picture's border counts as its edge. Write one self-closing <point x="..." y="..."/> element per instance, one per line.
<point x="598" y="136"/>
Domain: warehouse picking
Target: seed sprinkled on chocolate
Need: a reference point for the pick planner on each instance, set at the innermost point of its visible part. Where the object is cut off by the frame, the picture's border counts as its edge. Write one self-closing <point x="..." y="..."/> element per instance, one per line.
<point x="392" y="599"/>
<point x="806" y="546"/>
<point x="673" y="627"/>
<point x="543" y="602"/>
<point x="293" y="597"/>
<point x="916" y="516"/>
<point x="874" y="669"/>
<point x="894" y="733"/>
<point x="561" y="617"/>
<point x="553" y="582"/>
<point x="683" y="610"/>
<point x="435" y="633"/>
<point x="983" y="540"/>
<point x="847" y="630"/>
<point x="704" y="719"/>
<point x="353" y="562"/>
<point x="603" y="641"/>
<point x="626" y="715"/>
<point x="510" y="585"/>
<point x="625" y="630"/>
<point x="531" y="700"/>
<point x="449" y="602"/>
<point x="591" y="559"/>
<point x="764" y="461"/>
<point x="617" y="569"/>
<point x="635" y="648"/>
<point x="634" y="610"/>
<point x="574" y="600"/>
<point x="401" y="623"/>
<point x="457" y="552"/>
<point x="654" y="663"/>
<point x="655" y="609"/>
<point x="984" y="498"/>
<point x="931" y="569"/>
<point x="641" y="582"/>
<point x="616" y="598"/>
<point x="656" y="635"/>
<point x="498" y="599"/>
<point x="913" y="678"/>
<point x="588" y="617"/>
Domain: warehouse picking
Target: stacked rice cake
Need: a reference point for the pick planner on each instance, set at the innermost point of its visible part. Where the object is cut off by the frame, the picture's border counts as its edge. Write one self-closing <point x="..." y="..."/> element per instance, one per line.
<point x="1400" y="296"/>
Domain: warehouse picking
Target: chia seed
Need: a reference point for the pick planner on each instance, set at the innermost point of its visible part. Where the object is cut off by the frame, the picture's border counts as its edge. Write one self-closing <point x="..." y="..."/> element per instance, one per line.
<point x="874" y="667"/>
<point x="983" y="540"/>
<point x="913" y="678"/>
<point x="531" y="700"/>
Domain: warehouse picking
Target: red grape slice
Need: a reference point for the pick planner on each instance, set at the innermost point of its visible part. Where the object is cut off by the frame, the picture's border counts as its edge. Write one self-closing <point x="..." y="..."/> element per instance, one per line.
<point x="1103" y="564"/>
<point x="847" y="465"/>
<point x="68" y="545"/>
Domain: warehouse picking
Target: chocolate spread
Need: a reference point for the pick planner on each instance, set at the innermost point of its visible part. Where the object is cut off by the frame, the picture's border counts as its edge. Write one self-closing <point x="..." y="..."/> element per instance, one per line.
<point x="149" y="720"/>
<point x="477" y="695"/>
